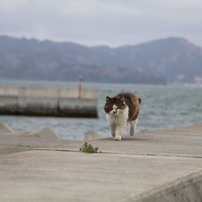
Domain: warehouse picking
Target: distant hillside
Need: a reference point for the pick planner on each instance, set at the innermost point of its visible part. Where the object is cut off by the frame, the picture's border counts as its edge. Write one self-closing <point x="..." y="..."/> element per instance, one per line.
<point x="155" y="62"/>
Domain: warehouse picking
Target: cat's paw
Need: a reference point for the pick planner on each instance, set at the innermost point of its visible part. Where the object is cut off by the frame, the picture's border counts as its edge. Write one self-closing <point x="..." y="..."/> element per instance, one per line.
<point x="118" y="137"/>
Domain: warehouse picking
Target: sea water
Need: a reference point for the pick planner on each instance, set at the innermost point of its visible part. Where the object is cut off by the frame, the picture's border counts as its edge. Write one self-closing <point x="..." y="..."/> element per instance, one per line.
<point x="163" y="106"/>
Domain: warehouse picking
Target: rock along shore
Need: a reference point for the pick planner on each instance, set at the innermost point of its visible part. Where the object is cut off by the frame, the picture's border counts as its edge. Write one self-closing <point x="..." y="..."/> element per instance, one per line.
<point x="154" y="165"/>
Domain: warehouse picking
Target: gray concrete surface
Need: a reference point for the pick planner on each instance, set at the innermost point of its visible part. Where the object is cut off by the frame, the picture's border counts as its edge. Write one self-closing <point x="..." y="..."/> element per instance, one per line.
<point x="160" y="165"/>
<point x="47" y="101"/>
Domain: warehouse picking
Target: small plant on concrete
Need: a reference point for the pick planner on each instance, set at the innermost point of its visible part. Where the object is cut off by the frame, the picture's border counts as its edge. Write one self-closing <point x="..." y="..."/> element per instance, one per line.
<point x="88" y="148"/>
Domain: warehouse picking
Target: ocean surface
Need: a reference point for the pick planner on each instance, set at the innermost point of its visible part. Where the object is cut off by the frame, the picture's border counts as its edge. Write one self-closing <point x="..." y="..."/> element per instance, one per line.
<point x="162" y="107"/>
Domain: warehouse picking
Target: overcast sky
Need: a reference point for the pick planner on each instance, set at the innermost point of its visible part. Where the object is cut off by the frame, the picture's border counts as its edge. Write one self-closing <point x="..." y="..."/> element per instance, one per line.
<point x="102" y="22"/>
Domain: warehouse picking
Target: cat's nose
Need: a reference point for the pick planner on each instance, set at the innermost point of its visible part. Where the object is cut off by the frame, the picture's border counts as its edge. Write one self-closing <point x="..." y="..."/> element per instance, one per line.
<point x="114" y="112"/>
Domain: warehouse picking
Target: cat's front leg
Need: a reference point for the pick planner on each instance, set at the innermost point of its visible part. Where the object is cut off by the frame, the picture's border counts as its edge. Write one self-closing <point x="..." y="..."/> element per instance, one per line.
<point x="113" y="130"/>
<point x="119" y="132"/>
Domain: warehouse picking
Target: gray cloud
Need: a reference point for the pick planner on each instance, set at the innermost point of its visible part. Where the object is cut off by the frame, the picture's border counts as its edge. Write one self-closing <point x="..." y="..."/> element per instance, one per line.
<point x="96" y="22"/>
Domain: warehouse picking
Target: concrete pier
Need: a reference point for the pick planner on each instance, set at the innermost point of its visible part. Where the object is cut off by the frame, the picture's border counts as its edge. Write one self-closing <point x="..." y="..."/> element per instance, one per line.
<point x="154" y="165"/>
<point x="46" y="101"/>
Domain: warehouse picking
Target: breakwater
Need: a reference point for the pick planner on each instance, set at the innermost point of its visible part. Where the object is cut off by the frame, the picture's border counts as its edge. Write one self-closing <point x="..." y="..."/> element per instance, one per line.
<point x="48" y="101"/>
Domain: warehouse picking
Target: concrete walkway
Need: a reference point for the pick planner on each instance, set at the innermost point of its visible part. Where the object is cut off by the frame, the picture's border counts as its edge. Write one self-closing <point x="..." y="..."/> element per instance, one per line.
<point x="161" y="165"/>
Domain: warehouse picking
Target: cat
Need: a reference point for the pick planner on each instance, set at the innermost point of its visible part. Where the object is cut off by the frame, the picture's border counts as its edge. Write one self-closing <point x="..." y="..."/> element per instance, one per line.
<point x="121" y="110"/>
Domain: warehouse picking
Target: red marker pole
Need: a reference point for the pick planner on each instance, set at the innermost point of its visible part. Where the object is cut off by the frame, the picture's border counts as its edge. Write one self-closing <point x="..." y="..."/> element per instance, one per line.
<point x="79" y="87"/>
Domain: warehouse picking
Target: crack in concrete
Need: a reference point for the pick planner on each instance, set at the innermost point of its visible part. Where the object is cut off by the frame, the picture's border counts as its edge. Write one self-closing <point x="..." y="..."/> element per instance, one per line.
<point x="105" y="152"/>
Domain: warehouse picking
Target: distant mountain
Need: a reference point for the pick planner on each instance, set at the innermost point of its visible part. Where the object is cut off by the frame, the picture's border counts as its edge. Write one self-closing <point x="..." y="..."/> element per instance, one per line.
<point x="156" y="62"/>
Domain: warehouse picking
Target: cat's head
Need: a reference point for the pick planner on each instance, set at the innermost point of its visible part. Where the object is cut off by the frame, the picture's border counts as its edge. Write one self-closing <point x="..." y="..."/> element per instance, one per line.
<point x="115" y="105"/>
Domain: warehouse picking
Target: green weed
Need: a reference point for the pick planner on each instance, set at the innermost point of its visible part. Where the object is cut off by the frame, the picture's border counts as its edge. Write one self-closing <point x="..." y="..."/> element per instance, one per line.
<point x="88" y="148"/>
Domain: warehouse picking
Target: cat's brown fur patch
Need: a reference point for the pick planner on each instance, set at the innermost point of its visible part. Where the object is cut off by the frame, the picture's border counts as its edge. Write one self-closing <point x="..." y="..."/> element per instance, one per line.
<point x="133" y="102"/>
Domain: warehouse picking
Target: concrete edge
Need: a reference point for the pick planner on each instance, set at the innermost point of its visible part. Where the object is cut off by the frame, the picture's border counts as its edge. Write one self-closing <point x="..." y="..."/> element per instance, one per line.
<point x="186" y="189"/>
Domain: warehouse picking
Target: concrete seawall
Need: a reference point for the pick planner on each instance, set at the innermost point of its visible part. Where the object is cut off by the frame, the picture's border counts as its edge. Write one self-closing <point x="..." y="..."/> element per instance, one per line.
<point x="46" y="101"/>
<point x="152" y="166"/>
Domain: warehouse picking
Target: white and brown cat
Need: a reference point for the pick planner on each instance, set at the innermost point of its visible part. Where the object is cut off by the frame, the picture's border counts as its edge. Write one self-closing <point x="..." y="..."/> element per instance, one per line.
<point x="121" y="110"/>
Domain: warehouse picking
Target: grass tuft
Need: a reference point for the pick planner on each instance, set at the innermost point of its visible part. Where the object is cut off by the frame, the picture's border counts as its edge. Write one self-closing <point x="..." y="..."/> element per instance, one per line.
<point x="88" y="148"/>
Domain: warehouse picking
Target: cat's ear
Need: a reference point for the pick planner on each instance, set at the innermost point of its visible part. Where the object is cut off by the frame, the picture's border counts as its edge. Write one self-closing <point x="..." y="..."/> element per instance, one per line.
<point x="108" y="99"/>
<point x="121" y="99"/>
